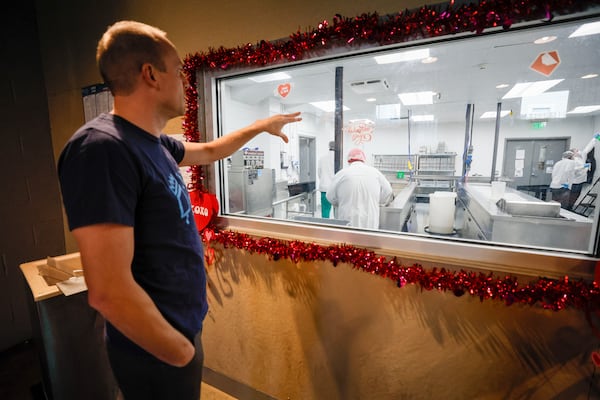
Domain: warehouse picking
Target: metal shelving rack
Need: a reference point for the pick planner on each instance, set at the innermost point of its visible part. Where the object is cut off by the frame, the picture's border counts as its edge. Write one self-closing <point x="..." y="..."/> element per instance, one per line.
<point x="435" y="172"/>
<point x="439" y="164"/>
<point x="432" y="171"/>
<point x="387" y="163"/>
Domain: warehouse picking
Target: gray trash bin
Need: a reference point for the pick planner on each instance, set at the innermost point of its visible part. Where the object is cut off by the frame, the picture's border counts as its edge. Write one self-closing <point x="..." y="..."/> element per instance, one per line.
<point x="69" y="336"/>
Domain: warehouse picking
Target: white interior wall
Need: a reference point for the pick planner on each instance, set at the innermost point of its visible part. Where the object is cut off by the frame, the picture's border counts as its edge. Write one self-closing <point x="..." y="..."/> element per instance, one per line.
<point x="391" y="137"/>
<point x="394" y="136"/>
<point x="239" y="115"/>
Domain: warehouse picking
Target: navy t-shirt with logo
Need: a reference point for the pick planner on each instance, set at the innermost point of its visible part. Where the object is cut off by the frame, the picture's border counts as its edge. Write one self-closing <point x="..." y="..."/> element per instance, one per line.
<point x="111" y="171"/>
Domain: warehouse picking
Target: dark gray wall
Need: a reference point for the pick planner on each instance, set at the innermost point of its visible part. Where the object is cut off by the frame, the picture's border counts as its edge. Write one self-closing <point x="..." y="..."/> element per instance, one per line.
<point x="30" y="209"/>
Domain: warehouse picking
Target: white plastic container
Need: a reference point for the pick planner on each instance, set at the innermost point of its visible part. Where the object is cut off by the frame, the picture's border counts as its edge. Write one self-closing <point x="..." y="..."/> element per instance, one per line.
<point x="442" y="207"/>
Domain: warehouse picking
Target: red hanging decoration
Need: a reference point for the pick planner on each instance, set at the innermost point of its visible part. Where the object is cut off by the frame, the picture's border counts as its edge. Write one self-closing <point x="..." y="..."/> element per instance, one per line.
<point x="205" y="207"/>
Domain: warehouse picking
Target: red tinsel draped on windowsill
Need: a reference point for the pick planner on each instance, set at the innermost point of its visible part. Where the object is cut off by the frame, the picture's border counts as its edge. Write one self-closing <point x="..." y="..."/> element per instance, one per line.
<point x="552" y="294"/>
<point x="371" y="30"/>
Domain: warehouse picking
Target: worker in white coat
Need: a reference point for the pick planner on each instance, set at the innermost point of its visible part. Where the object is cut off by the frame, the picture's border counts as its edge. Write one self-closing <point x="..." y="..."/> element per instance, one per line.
<point x="358" y="191"/>
<point x="563" y="175"/>
<point x="581" y="172"/>
<point x="326" y="171"/>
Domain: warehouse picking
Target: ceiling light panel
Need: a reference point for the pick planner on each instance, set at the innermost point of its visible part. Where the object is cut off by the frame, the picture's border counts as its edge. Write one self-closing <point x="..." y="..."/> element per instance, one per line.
<point x="388" y="111"/>
<point x="492" y="114"/>
<point x="592" y="28"/>
<point x="584" y="109"/>
<point x="417" y="98"/>
<point x="327" y="106"/>
<point x="526" y="89"/>
<point x="545" y="39"/>
<point x="422" y="118"/>
<point x="545" y="105"/>
<point x="429" y="60"/>
<point x="275" y="76"/>
<point x="403" y="56"/>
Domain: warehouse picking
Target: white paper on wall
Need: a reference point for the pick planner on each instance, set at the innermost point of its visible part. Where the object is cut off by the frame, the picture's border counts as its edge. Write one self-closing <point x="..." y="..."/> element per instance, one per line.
<point x="518" y="173"/>
<point x="520" y="154"/>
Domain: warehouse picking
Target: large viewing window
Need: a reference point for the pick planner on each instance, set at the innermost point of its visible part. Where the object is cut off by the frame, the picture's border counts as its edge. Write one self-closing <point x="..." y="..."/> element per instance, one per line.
<point x="467" y="131"/>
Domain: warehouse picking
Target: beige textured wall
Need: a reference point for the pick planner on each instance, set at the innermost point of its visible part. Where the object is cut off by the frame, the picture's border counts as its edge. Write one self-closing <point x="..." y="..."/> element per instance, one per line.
<point x="69" y="32"/>
<point x="312" y="331"/>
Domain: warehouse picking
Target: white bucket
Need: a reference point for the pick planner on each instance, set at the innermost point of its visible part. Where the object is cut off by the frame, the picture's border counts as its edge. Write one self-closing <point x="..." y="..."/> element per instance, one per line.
<point x="442" y="206"/>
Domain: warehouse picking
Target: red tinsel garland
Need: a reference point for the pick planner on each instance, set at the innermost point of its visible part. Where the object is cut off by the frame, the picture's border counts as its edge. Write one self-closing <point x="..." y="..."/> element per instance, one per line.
<point x="190" y="126"/>
<point x="551" y="294"/>
<point x="375" y="30"/>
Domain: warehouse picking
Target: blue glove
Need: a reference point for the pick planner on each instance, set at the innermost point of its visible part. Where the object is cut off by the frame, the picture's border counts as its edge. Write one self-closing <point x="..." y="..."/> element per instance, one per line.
<point x="565" y="185"/>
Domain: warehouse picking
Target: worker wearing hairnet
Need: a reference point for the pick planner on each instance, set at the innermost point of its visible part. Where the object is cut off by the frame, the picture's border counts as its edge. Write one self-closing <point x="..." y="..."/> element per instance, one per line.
<point x="563" y="175"/>
<point x="358" y="190"/>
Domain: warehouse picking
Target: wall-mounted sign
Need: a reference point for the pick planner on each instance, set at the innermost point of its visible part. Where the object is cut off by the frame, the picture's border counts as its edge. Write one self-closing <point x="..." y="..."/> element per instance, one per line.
<point x="546" y="62"/>
<point x="284" y="89"/>
<point x="97" y="99"/>
<point x="361" y="130"/>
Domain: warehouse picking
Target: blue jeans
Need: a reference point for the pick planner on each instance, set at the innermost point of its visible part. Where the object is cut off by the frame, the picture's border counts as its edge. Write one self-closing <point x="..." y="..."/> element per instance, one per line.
<point x="146" y="377"/>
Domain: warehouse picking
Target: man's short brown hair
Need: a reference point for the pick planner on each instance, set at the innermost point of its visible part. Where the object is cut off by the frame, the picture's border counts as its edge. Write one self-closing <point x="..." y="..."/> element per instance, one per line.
<point x="124" y="48"/>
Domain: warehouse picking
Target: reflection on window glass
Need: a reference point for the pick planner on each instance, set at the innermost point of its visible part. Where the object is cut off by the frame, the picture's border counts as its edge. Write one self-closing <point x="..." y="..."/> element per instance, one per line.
<point x="489" y="138"/>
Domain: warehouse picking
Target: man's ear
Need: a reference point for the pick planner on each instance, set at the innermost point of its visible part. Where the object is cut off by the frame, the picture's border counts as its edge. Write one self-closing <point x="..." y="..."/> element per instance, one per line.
<point x="148" y="74"/>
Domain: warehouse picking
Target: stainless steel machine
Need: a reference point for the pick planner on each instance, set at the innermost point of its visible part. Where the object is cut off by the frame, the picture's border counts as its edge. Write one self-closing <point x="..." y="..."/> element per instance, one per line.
<point x="251" y="186"/>
<point x="394" y="216"/>
<point x="518" y="218"/>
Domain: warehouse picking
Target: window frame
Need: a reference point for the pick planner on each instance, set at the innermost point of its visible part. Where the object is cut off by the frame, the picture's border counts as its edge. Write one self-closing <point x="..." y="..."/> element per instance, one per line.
<point x="407" y="248"/>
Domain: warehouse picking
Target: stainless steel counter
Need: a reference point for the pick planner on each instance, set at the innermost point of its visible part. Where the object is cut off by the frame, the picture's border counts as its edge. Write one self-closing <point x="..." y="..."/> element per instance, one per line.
<point x="485" y="220"/>
<point x="393" y="216"/>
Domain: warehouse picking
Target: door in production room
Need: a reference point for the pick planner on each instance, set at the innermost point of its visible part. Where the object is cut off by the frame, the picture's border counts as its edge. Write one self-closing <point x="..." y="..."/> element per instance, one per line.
<point x="528" y="163"/>
<point x="307" y="159"/>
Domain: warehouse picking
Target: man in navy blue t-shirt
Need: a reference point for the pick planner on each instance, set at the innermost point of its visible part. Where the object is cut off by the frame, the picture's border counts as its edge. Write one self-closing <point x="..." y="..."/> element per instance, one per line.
<point x="129" y="211"/>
